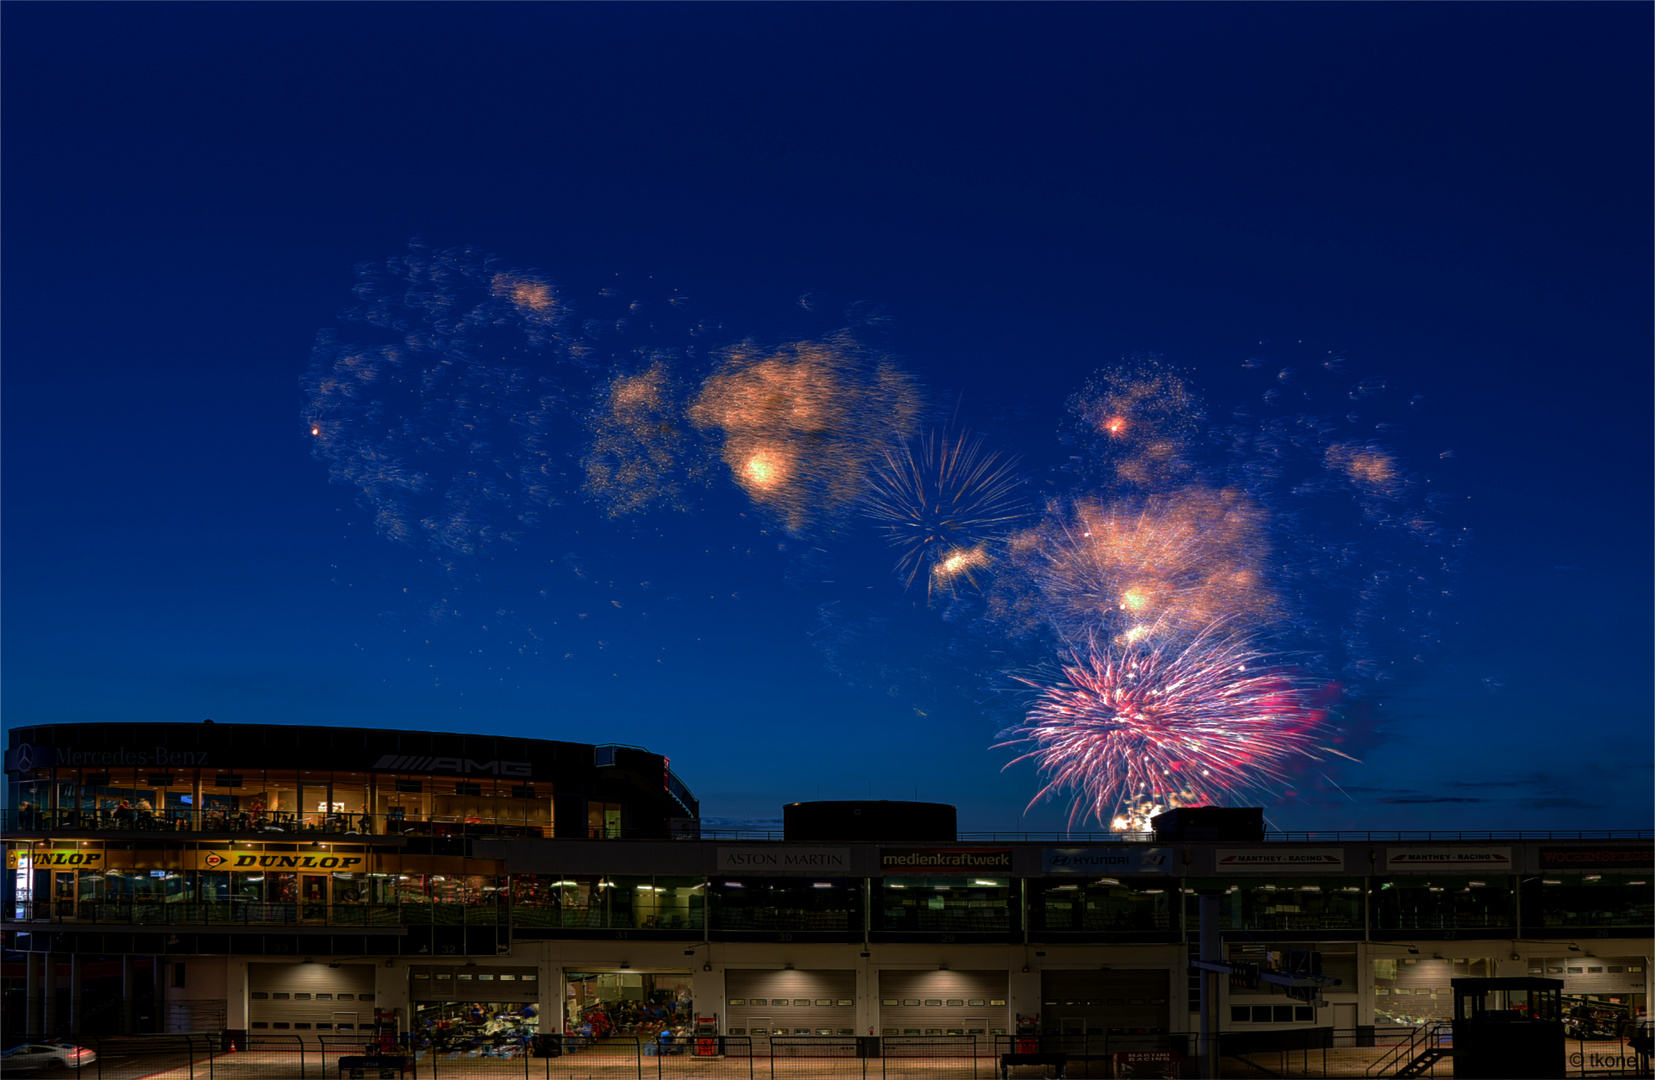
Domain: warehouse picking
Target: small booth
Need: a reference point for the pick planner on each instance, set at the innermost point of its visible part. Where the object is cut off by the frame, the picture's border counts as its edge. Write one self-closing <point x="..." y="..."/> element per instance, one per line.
<point x="1508" y="1027"/>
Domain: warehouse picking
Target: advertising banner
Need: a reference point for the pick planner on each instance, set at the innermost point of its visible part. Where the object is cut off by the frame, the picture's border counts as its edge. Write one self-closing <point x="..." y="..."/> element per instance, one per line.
<point x="1106" y="859"/>
<point x="1280" y="860"/>
<point x="1599" y="857"/>
<point x="785" y="860"/>
<point x="68" y="859"/>
<point x="945" y="860"/>
<point x="1420" y="860"/>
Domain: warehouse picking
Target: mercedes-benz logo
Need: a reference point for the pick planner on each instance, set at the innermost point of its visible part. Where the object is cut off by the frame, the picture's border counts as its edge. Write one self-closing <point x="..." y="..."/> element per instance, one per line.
<point x="25" y="758"/>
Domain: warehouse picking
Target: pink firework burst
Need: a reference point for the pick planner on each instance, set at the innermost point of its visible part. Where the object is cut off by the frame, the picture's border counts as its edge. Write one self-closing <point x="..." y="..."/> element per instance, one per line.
<point x="1208" y="722"/>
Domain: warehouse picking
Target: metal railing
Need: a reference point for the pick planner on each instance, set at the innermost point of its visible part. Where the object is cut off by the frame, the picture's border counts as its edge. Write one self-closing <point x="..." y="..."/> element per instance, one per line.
<point x="1418" y="1041"/>
<point x="248" y="913"/>
<point x="242" y="823"/>
<point x="149" y="911"/>
<point x="1319" y="837"/>
<point x="1318" y="1052"/>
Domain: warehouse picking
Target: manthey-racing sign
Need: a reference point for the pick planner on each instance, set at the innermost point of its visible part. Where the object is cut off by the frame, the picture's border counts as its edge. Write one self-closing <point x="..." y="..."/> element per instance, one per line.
<point x="1424" y="860"/>
<point x="1282" y="860"/>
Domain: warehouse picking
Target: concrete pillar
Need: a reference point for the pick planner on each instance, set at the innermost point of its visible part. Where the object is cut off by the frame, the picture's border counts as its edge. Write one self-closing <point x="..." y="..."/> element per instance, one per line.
<point x="77" y="996"/>
<point x="551" y="986"/>
<point x="391" y="992"/>
<point x="32" y="995"/>
<point x="867" y="994"/>
<point x="160" y="993"/>
<point x="129" y="995"/>
<point x="1023" y="985"/>
<point x="235" y="994"/>
<point x="1212" y="951"/>
<point x="707" y="986"/>
<point x="48" y="1010"/>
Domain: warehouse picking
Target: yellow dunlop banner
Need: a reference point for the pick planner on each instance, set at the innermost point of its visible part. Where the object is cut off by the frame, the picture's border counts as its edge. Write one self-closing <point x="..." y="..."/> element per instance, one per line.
<point x="229" y="859"/>
<point x="69" y="859"/>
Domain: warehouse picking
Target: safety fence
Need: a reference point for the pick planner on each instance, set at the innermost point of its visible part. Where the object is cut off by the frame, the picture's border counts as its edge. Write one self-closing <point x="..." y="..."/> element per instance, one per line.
<point x="1360" y="1053"/>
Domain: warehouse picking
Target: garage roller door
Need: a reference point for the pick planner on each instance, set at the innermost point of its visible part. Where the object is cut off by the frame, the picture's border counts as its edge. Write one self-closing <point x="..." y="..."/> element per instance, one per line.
<point x="312" y="998"/>
<point x="942" y="1003"/>
<point x="1119" y="1002"/>
<point x="450" y="982"/>
<point x="790" y="1002"/>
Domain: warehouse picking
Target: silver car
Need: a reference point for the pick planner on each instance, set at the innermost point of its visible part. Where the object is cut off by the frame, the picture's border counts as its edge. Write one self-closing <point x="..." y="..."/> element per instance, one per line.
<point x="32" y="1057"/>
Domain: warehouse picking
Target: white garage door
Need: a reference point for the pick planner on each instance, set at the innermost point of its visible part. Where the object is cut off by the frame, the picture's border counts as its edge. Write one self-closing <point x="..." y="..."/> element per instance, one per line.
<point x="762" y="1003"/>
<point x="942" y="1003"/>
<point x="310" y="998"/>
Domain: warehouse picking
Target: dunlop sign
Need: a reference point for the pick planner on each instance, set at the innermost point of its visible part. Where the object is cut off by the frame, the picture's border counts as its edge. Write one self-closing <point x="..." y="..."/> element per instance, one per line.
<point x="289" y="862"/>
<point x="225" y="859"/>
<point x="85" y="860"/>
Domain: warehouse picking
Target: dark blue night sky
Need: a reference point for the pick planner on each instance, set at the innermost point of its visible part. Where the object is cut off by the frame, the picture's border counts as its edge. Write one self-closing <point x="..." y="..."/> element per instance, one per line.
<point x="1420" y="233"/>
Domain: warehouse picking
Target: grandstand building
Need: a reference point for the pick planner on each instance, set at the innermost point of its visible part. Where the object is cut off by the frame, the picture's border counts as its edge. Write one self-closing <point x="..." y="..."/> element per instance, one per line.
<point x="330" y="881"/>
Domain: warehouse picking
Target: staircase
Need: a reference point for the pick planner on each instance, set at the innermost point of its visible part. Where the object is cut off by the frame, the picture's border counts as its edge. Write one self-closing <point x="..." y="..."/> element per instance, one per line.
<point x="1427" y="1058"/>
<point x="1416" y="1056"/>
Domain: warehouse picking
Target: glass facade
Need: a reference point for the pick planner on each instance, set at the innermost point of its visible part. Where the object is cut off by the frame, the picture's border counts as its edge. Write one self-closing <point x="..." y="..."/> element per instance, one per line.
<point x="1597" y="901"/>
<point x="598" y="902"/>
<point x="1445" y="902"/>
<point x="1108" y="905"/>
<point x="325" y="882"/>
<point x="1280" y="903"/>
<point x="928" y="905"/>
<point x="256" y="800"/>
<point x="790" y="904"/>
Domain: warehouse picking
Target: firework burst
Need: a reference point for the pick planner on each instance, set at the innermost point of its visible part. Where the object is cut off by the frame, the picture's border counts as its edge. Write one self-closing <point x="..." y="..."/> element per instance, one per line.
<point x="941" y="501"/>
<point x="1212" y="721"/>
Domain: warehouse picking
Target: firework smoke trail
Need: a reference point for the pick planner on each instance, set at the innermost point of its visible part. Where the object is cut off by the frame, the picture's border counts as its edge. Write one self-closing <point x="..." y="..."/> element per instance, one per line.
<point x="943" y="502"/>
<point x="1166" y="564"/>
<point x="1210" y="721"/>
<point x="438" y="417"/>
<point x="1138" y="420"/>
<point x="641" y="456"/>
<point x="801" y="425"/>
